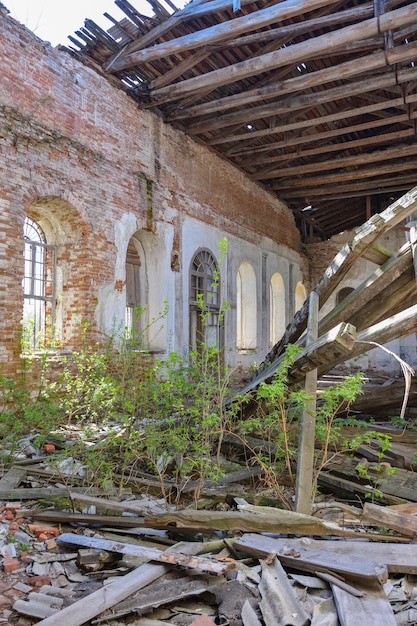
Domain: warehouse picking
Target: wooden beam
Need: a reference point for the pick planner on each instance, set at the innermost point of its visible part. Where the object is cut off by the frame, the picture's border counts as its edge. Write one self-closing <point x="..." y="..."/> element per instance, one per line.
<point x="386" y="185"/>
<point x="193" y="10"/>
<point x="107" y="596"/>
<point x="251" y="114"/>
<point x="364" y="158"/>
<point x="364" y="239"/>
<point x="219" y="32"/>
<point x="304" y="495"/>
<point x="383" y="276"/>
<point x="292" y="54"/>
<point x="311" y="560"/>
<point x="342" y="176"/>
<point x="301" y="102"/>
<point x="151" y="554"/>
<point x="342" y="71"/>
<point x="398" y="557"/>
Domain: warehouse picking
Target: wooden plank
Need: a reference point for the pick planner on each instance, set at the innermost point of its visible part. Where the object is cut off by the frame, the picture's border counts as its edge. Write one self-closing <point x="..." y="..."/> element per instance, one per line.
<point x="12" y="479"/>
<point x="279" y="604"/>
<point x="304" y="496"/>
<point x="311" y="559"/>
<point x="401" y="483"/>
<point x="385" y="517"/>
<point x="64" y="517"/>
<point x="272" y="60"/>
<point x="219" y="32"/>
<point x="399" y="558"/>
<point x="151" y="554"/>
<point x="38" y="493"/>
<point x="370" y="608"/>
<point x="252" y="518"/>
<point x="343" y="486"/>
<point x="104" y="598"/>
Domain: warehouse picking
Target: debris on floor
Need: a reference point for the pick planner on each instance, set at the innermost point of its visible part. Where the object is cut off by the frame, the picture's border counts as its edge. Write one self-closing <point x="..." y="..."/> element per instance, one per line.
<point x="71" y="554"/>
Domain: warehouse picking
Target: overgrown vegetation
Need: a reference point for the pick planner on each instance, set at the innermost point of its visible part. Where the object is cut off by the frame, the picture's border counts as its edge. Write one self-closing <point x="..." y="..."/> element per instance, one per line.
<point x="134" y="413"/>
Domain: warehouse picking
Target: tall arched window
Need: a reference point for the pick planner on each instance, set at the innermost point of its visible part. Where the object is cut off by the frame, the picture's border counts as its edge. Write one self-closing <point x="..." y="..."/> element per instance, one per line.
<point x="246" y="308"/>
<point x="276" y="308"/>
<point x="205" y="320"/>
<point x="134" y="312"/>
<point x="300" y="296"/>
<point x="38" y="286"/>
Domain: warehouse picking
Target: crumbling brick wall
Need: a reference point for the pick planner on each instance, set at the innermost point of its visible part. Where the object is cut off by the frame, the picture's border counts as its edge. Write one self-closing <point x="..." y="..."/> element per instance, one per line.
<point x="78" y="155"/>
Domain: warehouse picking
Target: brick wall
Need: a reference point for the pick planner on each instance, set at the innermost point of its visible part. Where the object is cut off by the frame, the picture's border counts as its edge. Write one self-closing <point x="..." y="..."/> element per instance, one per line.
<point x="76" y="154"/>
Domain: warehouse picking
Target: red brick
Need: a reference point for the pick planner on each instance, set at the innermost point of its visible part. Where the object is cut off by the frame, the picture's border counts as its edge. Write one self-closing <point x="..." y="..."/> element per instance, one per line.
<point x="10" y="564"/>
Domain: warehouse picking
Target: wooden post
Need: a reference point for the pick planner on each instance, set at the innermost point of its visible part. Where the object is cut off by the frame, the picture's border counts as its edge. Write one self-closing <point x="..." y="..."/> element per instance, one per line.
<point x="304" y="483"/>
<point x="412" y="224"/>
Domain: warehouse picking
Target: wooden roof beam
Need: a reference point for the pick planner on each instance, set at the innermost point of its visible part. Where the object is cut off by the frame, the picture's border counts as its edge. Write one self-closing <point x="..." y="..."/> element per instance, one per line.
<point x="396" y="152"/>
<point x="251" y="114"/>
<point x="291" y="54"/>
<point x="213" y="34"/>
<point x="325" y="149"/>
<point x="291" y="105"/>
<point x="350" y="190"/>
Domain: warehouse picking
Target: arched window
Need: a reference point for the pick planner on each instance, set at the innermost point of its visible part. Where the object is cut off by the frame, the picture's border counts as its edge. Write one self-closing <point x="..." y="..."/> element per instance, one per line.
<point x="205" y="321"/>
<point x="246" y="308"/>
<point x="342" y="294"/>
<point x="38" y="286"/>
<point x="276" y="308"/>
<point x="134" y="304"/>
<point x="300" y="296"/>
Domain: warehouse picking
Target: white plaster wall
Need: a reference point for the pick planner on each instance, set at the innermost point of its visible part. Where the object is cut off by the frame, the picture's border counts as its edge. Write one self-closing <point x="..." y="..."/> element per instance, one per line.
<point x="275" y="258"/>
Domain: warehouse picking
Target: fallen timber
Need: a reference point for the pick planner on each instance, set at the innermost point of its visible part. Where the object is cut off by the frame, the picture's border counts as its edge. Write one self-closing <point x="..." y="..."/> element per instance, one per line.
<point x="151" y="554"/>
<point x="385" y="321"/>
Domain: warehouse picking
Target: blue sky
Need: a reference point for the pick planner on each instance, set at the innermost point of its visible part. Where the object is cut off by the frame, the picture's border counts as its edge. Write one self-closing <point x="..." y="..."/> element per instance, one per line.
<point x="54" y="20"/>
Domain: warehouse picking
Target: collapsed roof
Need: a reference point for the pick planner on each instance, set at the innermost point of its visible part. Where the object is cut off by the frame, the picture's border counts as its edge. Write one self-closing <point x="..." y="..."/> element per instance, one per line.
<point x="315" y="100"/>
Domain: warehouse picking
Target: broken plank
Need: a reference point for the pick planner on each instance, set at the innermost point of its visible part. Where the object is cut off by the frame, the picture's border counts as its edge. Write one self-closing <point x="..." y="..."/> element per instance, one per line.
<point x="398" y="557"/>
<point x="241" y="475"/>
<point x="388" y="518"/>
<point x="151" y="554"/>
<point x="12" y="479"/>
<point x="64" y="517"/>
<point x="279" y="604"/>
<point x="337" y="484"/>
<point x="132" y="506"/>
<point x="312" y="559"/>
<point x="109" y="595"/>
<point x="399" y="484"/>
<point x="162" y="592"/>
<point x="38" y="493"/>
<point x="256" y="519"/>
<point x="370" y="608"/>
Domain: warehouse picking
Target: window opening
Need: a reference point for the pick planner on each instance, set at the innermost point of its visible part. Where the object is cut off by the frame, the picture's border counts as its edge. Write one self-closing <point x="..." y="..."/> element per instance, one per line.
<point x="342" y="294"/>
<point x="276" y="308"/>
<point x="38" y="286"/>
<point x="246" y="308"/>
<point x="205" y="321"/>
<point x="133" y="297"/>
<point x="300" y="296"/>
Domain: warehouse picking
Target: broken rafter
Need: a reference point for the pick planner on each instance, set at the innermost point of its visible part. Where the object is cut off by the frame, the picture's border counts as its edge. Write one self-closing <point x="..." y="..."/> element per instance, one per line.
<point x="284" y="56"/>
<point x="220" y="32"/>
